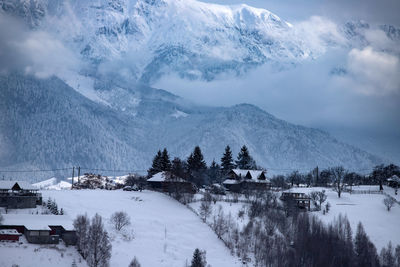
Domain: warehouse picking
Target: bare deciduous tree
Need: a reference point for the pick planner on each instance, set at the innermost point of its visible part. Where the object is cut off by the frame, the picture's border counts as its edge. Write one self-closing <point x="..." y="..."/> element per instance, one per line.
<point x="338" y="173"/>
<point x="389" y="202"/>
<point x="120" y="219"/>
<point x="99" y="245"/>
<point x="81" y="225"/>
<point x="318" y="197"/>
<point x="205" y="210"/>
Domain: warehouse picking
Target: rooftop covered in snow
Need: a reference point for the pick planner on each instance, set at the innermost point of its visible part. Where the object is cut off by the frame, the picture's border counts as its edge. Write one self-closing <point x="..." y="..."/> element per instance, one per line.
<point x="16" y="185"/>
<point x="38" y="222"/>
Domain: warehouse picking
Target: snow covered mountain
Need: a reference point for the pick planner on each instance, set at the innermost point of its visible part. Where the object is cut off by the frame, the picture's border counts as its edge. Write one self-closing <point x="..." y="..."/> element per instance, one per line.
<point x="147" y="39"/>
<point x="47" y="124"/>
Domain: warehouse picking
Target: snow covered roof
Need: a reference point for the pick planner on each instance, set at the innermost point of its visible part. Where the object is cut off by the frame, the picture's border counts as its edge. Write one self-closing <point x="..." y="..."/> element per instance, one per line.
<point x="38" y="222"/>
<point x="394" y="178"/>
<point x="164" y="176"/>
<point x="254" y="174"/>
<point x="8" y="185"/>
<point x="230" y="181"/>
<point x="9" y="232"/>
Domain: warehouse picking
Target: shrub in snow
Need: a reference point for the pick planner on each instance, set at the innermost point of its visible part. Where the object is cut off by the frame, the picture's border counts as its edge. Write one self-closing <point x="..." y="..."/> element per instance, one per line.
<point x="134" y="263"/>
<point x="389" y="202"/>
<point x="120" y="219"/>
<point x="318" y="197"/>
<point x="199" y="258"/>
<point x="205" y="210"/>
<point x="327" y="207"/>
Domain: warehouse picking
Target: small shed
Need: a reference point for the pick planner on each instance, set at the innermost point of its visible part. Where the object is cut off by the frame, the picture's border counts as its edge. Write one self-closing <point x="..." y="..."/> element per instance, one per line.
<point x="9" y="235"/>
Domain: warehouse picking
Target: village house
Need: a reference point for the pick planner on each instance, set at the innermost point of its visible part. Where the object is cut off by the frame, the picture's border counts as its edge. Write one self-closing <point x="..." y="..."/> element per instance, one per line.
<point x="394" y="181"/>
<point x="239" y="180"/>
<point x="41" y="229"/>
<point x="19" y="195"/>
<point x="300" y="200"/>
<point x="166" y="182"/>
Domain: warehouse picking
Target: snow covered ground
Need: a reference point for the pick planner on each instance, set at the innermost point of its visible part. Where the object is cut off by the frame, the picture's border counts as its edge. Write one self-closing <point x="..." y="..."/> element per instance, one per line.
<point x="165" y="231"/>
<point x="24" y="254"/>
<point x="381" y="226"/>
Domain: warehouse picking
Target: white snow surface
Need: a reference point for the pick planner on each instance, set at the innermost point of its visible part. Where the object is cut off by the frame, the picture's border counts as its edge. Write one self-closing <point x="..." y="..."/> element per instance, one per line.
<point x="52" y="184"/>
<point x="25" y="254"/>
<point x="380" y="225"/>
<point x="165" y="232"/>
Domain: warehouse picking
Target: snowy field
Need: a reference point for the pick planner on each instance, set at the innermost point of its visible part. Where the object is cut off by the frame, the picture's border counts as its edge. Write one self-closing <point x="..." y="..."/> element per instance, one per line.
<point x="24" y="254"/>
<point x="165" y="232"/>
<point x="381" y="226"/>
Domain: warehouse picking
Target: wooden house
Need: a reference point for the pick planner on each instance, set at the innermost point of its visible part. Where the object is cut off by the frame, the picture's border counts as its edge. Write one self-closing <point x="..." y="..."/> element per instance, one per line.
<point x="239" y="180"/>
<point x="301" y="200"/>
<point x="394" y="181"/>
<point x="19" y="195"/>
<point x="166" y="182"/>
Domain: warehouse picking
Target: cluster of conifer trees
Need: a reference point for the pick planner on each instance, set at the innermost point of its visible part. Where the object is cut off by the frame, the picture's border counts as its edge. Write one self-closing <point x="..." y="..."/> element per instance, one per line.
<point x="195" y="169"/>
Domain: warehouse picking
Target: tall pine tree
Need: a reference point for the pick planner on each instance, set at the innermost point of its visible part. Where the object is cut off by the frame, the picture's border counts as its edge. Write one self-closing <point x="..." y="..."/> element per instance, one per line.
<point x="198" y="259"/>
<point x="244" y="160"/>
<point x="156" y="167"/>
<point x="195" y="161"/>
<point x="214" y="172"/>
<point x="227" y="161"/>
<point x="178" y="168"/>
<point x="165" y="162"/>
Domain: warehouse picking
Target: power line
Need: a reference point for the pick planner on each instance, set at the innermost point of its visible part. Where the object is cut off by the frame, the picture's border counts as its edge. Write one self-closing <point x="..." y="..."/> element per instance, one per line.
<point x="52" y="170"/>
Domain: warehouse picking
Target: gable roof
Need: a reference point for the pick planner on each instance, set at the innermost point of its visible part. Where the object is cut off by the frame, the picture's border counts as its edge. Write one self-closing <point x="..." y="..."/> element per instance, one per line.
<point x="8" y="185"/>
<point x="254" y="174"/>
<point x="164" y="177"/>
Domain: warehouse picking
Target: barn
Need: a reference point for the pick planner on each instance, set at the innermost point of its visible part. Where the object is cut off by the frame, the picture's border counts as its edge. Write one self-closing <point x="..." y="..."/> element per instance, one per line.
<point x="41" y="229"/>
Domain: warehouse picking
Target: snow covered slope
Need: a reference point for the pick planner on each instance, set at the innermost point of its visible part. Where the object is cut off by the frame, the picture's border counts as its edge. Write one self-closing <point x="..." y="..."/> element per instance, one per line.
<point x="52" y="184"/>
<point x="165" y="232"/>
<point x="49" y="125"/>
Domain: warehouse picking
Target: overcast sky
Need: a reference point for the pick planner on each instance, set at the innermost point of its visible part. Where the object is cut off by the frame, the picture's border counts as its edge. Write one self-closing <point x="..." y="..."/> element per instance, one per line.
<point x="362" y="108"/>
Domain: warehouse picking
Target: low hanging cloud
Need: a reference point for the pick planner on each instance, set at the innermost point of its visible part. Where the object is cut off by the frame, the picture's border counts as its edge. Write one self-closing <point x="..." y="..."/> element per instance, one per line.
<point x="373" y="72"/>
<point x="32" y="52"/>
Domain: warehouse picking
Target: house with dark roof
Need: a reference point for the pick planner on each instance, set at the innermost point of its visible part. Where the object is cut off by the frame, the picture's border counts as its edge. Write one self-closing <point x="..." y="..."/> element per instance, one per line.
<point x="239" y="180"/>
<point x="166" y="182"/>
<point x="19" y="195"/>
<point x="394" y="181"/>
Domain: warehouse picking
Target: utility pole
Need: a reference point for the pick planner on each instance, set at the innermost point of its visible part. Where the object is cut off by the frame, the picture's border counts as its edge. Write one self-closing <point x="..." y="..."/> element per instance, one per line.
<point x="73" y="173"/>
<point x="79" y="174"/>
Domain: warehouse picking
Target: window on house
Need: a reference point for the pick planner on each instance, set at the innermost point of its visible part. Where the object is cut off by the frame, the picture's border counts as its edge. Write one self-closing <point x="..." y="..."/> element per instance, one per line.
<point x="34" y="233"/>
